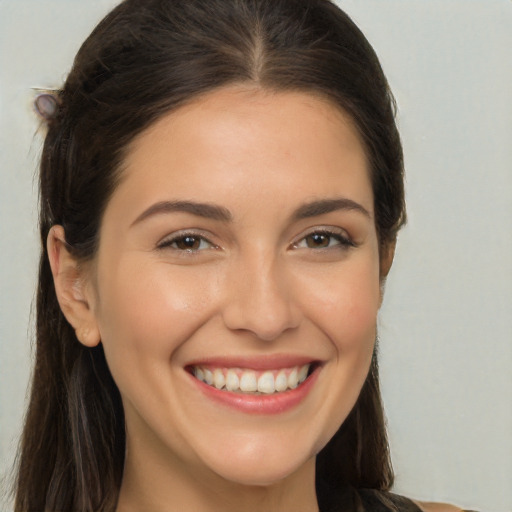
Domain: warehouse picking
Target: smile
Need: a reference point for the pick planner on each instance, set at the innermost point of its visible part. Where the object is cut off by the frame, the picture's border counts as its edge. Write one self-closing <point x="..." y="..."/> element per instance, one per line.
<point x="248" y="381"/>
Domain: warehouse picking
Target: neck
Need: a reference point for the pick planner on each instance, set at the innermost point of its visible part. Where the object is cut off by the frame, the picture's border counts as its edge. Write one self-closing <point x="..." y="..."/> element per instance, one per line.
<point x="156" y="480"/>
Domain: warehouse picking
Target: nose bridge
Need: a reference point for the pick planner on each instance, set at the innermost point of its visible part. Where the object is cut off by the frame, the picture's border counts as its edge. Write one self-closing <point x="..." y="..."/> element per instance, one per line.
<point x="260" y="298"/>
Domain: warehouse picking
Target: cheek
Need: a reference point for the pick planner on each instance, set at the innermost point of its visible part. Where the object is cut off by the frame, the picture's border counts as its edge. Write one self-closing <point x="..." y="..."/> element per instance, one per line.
<point x="152" y="312"/>
<point x="345" y="310"/>
<point x="346" y="306"/>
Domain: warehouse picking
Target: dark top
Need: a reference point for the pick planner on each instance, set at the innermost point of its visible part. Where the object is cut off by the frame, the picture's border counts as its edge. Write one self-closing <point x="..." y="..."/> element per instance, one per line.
<point x="349" y="499"/>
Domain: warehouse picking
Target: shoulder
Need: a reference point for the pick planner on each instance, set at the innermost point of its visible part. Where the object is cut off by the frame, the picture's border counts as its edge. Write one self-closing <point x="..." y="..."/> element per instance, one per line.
<point x="382" y="501"/>
<point x="436" y="507"/>
<point x="393" y="502"/>
<point x="333" y="499"/>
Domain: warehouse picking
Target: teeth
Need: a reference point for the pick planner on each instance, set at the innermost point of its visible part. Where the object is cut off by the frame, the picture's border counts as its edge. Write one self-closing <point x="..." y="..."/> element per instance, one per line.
<point x="293" y="379"/>
<point x="218" y="379"/>
<point x="232" y="381"/>
<point x="266" y="383"/>
<point x="303" y="373"/>
<point x="199" y="373"/>
<point x="281" y="381"/>
<point x="208" y="377"/>
<point x="250" y="381"/>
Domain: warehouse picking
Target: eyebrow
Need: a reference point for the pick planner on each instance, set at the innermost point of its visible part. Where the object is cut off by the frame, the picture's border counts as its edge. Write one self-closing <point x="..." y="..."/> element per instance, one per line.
<point x="215" y="212"/>
<point x="324" y="206"/>
<point x="206" y="210"/>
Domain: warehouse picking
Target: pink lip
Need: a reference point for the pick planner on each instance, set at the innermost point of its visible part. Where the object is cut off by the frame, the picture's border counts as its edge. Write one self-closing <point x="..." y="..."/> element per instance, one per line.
<point x="259" y="404"/>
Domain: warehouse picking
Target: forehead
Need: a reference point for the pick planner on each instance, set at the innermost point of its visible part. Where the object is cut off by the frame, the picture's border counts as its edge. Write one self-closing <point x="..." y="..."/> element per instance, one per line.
<point x="241" y="139"/>
<point x="305" y="115"/>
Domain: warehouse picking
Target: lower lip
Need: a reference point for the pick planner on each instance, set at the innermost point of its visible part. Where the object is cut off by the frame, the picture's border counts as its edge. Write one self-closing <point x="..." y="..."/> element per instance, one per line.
<point x="260" y="404"/>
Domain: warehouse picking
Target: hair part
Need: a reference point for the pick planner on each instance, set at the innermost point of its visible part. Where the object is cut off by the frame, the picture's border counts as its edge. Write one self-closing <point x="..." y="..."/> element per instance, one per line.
<point x="146" y="59"/>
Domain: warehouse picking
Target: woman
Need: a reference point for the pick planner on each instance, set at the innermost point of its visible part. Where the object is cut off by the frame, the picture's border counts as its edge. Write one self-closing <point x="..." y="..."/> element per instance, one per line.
<point x="221" y="191"/>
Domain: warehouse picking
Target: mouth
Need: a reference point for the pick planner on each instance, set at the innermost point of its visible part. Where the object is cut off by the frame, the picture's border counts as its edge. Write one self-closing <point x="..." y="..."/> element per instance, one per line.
<point x="248" y="381"/>
<point x="264" y="385"/>
<point x="252" y="382"/>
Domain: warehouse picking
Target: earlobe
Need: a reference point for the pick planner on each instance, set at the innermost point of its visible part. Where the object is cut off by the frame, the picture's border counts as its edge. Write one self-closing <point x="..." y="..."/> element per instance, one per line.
<point x="72" y="288"/>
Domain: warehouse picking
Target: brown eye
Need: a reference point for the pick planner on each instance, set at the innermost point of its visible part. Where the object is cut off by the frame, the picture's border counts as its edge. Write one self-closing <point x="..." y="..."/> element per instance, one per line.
<point x="324" y="240"/>
<point x="188" y="243"/>
<point x="318" y="240"/>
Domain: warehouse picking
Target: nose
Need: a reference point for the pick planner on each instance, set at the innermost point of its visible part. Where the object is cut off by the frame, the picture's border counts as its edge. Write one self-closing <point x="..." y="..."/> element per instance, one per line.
<point x="260" y="299"/>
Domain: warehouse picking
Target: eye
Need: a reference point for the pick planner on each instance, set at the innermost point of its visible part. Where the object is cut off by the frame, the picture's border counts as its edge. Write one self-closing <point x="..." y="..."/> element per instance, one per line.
<point x="187" y="242"/>
<point x="324" y="239"/>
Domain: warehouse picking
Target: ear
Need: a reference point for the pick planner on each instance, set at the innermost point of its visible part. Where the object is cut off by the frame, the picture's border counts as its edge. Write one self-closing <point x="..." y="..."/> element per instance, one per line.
<point x="74" y="293"/>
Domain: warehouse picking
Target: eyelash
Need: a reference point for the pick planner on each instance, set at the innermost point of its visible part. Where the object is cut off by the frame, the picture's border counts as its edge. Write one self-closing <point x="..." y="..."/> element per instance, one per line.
<point x="343" y="242"/>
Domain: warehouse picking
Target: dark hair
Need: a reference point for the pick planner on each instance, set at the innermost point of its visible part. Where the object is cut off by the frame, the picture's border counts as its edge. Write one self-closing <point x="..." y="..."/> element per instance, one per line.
<point x="145" y="59"/>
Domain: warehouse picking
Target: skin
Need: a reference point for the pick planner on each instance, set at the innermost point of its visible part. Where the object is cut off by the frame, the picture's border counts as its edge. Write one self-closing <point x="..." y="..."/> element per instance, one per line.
<point x="258" y="284"/>
<point x="437" y="507"/>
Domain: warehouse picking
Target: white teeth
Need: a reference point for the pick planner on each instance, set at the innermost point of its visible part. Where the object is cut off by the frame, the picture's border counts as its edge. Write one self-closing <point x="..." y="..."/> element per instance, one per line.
<point x="218" y="379"/>
<point x="266" y="383"/>
<point x="199" y="373"/>
<point x="281" y="381"/>
<point x="232" y="381"/>
<point x="293" y="379"/>
<point x="247" y="381"/>
<point x="208" y="377"/>
<point x="303" y="373"/>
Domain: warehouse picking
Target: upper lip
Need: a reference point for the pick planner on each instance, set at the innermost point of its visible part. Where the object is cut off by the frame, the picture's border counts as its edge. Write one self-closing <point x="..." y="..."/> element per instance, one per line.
<point x="261" y="362"/>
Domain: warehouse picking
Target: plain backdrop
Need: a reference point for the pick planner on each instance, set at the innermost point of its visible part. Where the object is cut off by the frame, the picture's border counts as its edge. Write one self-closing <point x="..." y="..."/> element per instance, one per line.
<point x="446" y="323"/>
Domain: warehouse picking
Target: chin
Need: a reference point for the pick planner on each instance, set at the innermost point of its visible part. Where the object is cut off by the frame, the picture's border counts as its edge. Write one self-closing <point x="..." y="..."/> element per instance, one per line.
<point x="261" y="463"/>
<point x="257" y="476"/>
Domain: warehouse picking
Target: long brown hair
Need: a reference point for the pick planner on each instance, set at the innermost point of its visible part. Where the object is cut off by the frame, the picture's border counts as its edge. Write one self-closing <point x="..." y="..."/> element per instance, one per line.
<point x="145" y="59"/>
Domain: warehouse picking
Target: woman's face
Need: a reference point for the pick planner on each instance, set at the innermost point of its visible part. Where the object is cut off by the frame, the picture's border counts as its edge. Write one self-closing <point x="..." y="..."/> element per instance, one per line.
<point x="239" y="249"/>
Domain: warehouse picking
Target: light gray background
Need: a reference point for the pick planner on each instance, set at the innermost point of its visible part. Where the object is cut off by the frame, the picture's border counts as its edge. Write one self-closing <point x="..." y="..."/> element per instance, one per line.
<point x="446" y="324"/>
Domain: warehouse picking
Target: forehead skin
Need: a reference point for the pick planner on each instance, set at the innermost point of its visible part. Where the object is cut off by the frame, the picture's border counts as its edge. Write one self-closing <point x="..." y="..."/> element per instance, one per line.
<point x="326" y="127"/>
